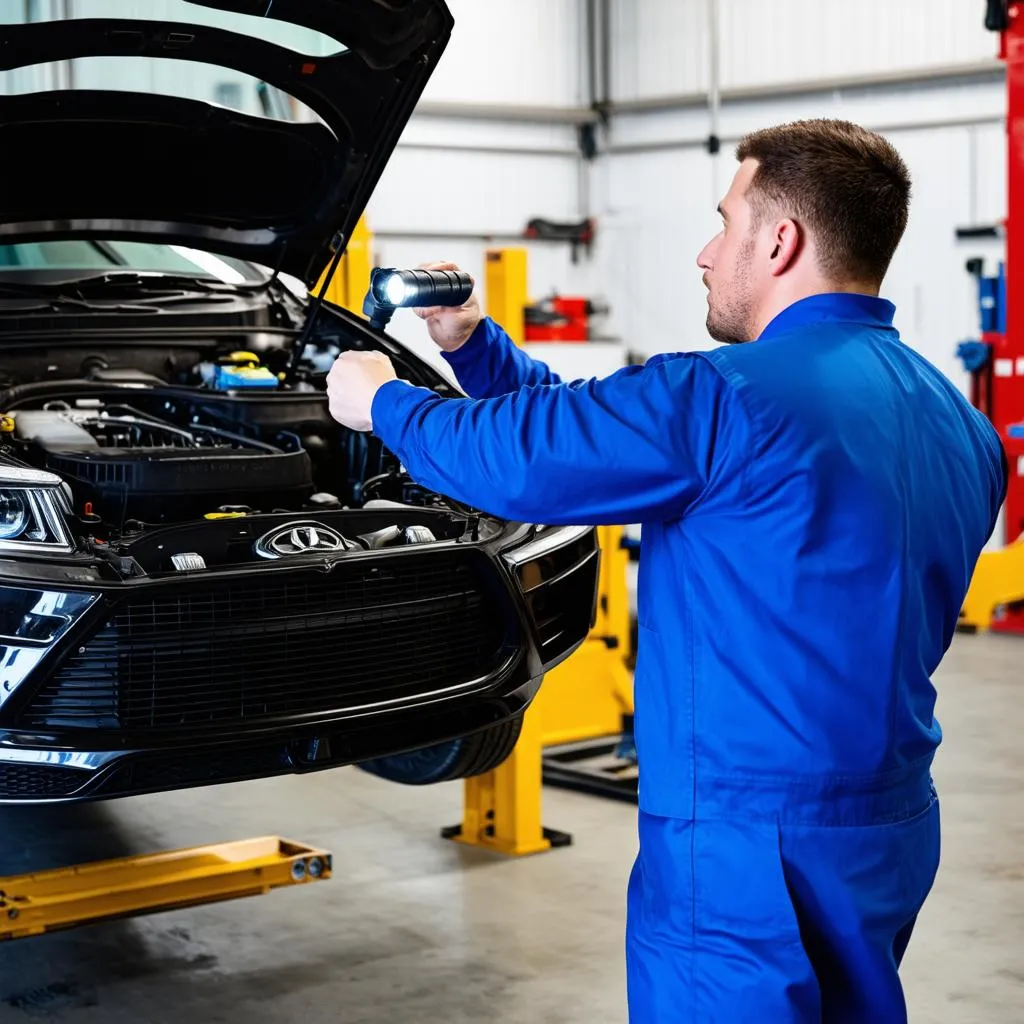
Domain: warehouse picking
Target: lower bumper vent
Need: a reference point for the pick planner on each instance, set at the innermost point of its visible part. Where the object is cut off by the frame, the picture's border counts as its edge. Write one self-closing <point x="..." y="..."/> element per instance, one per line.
<point x="286" y="646"/>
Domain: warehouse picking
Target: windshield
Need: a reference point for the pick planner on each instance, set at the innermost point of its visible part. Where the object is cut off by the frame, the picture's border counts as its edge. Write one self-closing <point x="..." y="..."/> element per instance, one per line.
<point x="261" y="25"/>
<point x="74" y="258"/>
<point x="166" y="76"/>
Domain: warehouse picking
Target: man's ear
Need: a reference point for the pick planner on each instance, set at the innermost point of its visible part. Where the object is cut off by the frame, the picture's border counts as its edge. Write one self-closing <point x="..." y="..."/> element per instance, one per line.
<point x="786" y="243"/>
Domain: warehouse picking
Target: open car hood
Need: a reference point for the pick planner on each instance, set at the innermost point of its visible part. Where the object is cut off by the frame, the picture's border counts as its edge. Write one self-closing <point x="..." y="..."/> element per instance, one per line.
<point x="119" y="164"/>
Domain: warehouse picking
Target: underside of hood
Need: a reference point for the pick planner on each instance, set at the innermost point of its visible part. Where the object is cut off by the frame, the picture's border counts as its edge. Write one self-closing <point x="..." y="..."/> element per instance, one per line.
<point x="119" y="164"/>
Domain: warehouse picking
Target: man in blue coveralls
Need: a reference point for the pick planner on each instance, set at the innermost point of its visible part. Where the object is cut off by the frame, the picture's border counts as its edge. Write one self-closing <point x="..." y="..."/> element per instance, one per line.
<point x="814" y="496"/>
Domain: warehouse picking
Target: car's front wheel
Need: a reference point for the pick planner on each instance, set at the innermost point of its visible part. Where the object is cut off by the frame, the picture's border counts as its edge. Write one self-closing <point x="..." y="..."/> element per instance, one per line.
<point x="457" y="759"/>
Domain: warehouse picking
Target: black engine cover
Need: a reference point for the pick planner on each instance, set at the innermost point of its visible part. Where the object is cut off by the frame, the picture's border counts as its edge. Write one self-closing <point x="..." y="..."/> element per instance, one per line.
<point x="129" y="465"/>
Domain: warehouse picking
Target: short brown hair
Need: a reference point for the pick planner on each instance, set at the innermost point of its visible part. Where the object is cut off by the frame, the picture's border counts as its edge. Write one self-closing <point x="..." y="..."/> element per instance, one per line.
<point x="848" y="185"/>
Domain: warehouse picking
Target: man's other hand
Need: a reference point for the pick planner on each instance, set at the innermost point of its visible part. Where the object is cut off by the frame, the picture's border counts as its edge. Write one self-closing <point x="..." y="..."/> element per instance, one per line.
<point x="352" y="384"/>
<point x="450" y="326"/>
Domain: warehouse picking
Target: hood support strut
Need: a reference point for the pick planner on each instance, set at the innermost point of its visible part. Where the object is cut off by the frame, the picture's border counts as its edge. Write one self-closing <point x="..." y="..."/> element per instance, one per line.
<point x="299" y="346"/>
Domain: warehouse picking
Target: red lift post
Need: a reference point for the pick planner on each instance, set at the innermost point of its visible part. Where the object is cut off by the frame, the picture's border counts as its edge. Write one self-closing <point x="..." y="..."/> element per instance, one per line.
<point x="1007" y="398"/>
<point x="998" y="386"/>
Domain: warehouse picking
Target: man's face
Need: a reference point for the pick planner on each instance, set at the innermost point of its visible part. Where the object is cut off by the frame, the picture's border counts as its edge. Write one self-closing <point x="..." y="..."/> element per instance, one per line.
<point x="728" y="262"/>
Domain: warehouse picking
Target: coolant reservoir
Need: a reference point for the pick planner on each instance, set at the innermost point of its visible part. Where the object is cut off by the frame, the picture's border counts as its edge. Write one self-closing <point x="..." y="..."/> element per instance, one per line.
<point x="237" y="370"/>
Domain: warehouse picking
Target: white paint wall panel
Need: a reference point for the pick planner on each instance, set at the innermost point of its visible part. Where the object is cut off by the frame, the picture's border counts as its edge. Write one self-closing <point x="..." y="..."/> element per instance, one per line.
<point x="935" y="299"/>
<point x="448" y="191"/>
<point x="803" y="40"/>
<point x="513" y="51"/>
<point x="977" y="103"/>
<point x="430" y="194"/>
<point x="990" y="156"/>
<point x="655" y="212"/>
<point x="659" y="48"/>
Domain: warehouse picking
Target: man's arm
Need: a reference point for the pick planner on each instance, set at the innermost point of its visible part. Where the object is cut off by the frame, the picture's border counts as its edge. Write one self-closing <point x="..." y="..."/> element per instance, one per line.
<point x="486" y="361"/>
<point x="640" y="445"/>
<point x="490" y="364"/>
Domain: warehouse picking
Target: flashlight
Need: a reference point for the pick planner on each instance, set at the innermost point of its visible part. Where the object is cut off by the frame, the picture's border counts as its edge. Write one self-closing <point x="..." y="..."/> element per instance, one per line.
<point x="391" y="289"/>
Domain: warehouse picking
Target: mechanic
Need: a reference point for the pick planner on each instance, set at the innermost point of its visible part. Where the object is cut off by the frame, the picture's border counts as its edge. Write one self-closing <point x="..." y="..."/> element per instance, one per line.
<point x="812" y="507"/>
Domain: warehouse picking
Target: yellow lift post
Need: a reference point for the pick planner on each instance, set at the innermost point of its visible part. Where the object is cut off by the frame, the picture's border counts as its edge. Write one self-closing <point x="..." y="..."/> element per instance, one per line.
<point x="506" y="290"/>
<point x="501" y="810"/>
<point x="584" y="699"/>
<point x="588" y="700"/>
<point x="131" y="886"/>
<point x="998" y="580"/>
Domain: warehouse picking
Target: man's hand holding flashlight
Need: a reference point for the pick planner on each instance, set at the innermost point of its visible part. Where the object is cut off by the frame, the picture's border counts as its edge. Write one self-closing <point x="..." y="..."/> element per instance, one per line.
<point x="352" y="385"/>
<point x="450" y="327"/>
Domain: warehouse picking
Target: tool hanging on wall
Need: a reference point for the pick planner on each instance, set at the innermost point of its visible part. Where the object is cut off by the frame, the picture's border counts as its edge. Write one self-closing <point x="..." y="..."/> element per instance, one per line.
<point x="578" y="234"/>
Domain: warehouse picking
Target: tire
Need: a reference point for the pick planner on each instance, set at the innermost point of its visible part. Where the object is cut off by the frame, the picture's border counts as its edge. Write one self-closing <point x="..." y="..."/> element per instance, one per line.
<point x="463" y="758"/>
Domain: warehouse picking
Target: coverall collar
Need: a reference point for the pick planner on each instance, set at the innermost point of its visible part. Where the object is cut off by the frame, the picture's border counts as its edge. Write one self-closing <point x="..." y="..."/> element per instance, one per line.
<point x="833" y="307"/>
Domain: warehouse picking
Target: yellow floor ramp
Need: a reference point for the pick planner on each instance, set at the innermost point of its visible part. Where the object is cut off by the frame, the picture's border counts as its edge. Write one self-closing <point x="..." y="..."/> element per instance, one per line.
<point x="130" y="886"/>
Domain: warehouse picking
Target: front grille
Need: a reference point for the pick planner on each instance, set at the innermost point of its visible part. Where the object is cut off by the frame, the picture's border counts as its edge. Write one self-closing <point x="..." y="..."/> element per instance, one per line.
<point x="203" y="768"/>
<point x="279" y="645"/>
<point x="27" y="781"/>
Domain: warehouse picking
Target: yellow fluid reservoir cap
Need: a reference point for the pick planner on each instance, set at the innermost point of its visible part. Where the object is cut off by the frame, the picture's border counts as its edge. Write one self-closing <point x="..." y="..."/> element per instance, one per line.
<point x="7" y="424"/>
<point x="243" y="357"/>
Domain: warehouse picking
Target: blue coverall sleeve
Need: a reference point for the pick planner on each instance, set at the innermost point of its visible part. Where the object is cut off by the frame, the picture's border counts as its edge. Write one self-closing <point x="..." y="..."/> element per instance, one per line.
<point x="637" y="446"/>
<point x="490" y="364"/>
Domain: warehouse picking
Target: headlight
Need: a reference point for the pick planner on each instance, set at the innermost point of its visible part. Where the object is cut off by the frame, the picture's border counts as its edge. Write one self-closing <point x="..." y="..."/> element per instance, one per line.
<point x="31" y="623"/>
<point x="13" y="514"/>
<point x="33" y="507"/>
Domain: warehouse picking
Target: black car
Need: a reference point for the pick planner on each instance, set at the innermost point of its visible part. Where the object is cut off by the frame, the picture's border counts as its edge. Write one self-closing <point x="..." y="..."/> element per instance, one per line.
<point x="203" y="578"/>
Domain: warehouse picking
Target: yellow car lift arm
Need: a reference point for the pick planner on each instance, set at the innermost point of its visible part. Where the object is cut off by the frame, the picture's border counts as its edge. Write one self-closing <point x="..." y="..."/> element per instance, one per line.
<point x="130" y="886"/>
<point x="585" y="697"/>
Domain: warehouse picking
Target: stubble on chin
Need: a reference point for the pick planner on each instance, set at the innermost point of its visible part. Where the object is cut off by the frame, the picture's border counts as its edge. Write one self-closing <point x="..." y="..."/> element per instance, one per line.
<point x="729" y="328"/>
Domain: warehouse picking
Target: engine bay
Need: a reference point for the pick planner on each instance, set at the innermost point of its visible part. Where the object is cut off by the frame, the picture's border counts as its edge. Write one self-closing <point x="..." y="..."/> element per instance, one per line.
<point x="153" y="468"/>
<point x="122" y="463"/>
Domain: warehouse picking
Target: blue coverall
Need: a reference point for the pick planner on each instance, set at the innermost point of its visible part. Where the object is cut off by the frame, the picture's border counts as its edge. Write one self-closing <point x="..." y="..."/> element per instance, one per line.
<point x="812" y="507"/>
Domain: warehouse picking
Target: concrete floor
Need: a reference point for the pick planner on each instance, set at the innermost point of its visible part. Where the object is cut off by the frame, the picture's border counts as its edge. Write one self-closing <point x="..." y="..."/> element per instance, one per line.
<point x="414" y="929"/>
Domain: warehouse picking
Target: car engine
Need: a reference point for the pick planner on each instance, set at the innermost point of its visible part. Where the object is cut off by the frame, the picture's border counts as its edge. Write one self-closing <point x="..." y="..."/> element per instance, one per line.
<point x="155" y="472"/>
<point x="123" y="463"/>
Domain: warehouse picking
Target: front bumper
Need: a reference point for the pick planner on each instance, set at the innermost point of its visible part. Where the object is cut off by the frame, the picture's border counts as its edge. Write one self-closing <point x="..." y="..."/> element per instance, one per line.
<point x="51" y="776"/>
<point x="204" y="680"/>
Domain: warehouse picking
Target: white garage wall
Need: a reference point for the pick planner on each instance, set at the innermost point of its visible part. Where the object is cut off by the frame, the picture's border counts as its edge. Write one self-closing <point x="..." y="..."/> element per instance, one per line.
<point x="799" y="40"/>
<point x="657" y="209"/>
<point x="459" y="186"/>
<point x="460" y="183"/>
<point x="440" y="204"/>
<point x="513" y="51"/>
<point x="661" y="46"/>
<point x="655" y="192"/>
